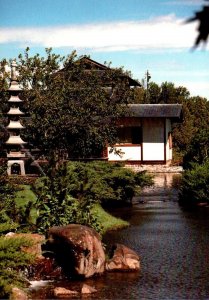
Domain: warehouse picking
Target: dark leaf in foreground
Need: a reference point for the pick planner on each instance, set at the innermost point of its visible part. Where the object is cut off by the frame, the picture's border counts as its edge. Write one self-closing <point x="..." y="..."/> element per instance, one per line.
<point x="203" y="28"/>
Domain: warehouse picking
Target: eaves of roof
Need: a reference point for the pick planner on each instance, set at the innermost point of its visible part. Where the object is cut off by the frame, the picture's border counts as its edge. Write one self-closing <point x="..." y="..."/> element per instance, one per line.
<point x="172" y="111"/>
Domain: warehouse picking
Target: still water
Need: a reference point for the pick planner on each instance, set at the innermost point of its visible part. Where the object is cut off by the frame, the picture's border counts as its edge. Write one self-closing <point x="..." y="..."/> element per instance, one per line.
<point x="173" y="245"/>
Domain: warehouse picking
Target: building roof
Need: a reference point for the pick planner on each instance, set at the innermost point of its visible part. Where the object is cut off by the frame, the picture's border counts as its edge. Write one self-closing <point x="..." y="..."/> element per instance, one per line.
<point x="156" y="110"/>
<point x="92" y="65"/>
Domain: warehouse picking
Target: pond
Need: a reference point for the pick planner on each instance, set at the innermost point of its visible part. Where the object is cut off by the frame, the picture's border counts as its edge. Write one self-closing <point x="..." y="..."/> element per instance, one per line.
<point x="173" y="245"/>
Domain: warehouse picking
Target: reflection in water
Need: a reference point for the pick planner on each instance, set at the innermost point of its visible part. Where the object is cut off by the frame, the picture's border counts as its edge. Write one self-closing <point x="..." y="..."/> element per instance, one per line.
<point x="173" y="246"/>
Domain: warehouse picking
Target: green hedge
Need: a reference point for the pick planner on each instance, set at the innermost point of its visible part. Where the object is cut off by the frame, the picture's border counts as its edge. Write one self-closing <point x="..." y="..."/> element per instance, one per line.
<point x="195" y="185"/>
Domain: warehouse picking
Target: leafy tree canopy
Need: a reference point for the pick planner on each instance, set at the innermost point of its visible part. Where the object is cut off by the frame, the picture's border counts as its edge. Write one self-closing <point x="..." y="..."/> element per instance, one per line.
<point x="71" y="108"/>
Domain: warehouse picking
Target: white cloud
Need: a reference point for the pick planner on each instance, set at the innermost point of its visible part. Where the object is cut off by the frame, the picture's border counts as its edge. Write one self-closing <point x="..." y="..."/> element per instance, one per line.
<point x="165" y="32"/>
<point x="185" y="2"/>
<point x="196" y="88"/>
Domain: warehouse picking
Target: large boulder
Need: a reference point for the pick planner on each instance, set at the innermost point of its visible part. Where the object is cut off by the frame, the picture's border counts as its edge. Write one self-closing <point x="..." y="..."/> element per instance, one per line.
<point x="123" y="259"/>
<point x="78" y="249"/>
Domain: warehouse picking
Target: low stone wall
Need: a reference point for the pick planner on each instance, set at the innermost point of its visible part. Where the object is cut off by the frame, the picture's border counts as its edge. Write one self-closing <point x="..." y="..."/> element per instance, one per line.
<point x="156" y="168"/>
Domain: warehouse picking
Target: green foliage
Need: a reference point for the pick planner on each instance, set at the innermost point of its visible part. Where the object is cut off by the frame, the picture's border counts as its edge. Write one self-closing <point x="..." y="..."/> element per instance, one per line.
<point x="73" y="110"/>
<point x="108" y="221"/>
<point x="25" y="199"/>
<point x="8" y="226"/>
<point x="71" y="194"/>
<point x="166" y="93"/>
<point x="104" y="182"/>
<point x="12" y="261"/>
<point x="56" y="207"/>
<point x="199" y="138"/>
<point x="7" y="205"/>
<point x="195" y="185"/>
<point x="13" y="203"/>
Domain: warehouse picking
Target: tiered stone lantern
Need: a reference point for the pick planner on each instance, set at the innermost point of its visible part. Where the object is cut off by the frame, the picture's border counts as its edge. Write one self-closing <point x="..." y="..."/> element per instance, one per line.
<point x="15" y="155"/>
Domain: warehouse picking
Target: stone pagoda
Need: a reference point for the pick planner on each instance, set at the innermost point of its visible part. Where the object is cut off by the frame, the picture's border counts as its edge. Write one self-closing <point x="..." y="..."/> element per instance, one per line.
<point x="14" y="144"/>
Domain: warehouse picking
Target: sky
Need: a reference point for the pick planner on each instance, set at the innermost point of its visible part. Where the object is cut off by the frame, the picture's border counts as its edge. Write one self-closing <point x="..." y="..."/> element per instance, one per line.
<point x="139" y="35"/>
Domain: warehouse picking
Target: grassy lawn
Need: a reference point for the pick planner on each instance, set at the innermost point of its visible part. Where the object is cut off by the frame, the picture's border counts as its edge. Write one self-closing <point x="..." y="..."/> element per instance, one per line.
<point x="109" y="222"/>
<point x="25" y="195"/>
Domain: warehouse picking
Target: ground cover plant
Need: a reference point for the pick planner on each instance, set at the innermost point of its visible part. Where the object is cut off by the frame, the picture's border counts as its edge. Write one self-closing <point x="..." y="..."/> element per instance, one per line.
<point x="194" y="187"/>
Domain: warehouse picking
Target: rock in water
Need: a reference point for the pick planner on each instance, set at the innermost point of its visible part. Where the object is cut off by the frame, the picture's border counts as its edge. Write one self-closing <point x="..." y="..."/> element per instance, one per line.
<point x="123" y="259"/>
<point x="60" y="292"/>
<point x="87" y="289"/>
<point x="18" y="294"/>
<point x="78" y="249"/>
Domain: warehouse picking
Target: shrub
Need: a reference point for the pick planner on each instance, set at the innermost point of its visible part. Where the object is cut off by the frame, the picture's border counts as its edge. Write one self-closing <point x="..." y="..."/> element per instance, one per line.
<point x="104" y="182"/>
<point x="195" y="185"/>
<point x="70" y="195"/>
<point x="10" y="207"/>
<point x="12" y="260"/>
<point x="56" y="206"/>
<point x="7" y="205"/>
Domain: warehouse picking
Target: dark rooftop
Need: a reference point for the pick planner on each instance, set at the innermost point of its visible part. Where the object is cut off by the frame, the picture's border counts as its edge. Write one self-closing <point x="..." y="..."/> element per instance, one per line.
<point x="156" y="110"/>
<point x="93" y="65"/>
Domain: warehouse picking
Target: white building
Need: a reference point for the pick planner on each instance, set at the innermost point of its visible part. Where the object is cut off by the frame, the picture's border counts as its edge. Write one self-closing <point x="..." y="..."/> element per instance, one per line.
<point x="145" y="135"/>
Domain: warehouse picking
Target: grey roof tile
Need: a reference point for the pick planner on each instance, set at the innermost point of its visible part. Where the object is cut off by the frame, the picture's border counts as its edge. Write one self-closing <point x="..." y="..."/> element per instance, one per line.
<point x="156" y="110"/>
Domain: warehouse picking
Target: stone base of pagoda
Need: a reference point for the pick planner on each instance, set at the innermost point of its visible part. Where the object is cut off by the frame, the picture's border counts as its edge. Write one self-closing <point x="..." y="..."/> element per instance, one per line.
<point x="15" y="167"/>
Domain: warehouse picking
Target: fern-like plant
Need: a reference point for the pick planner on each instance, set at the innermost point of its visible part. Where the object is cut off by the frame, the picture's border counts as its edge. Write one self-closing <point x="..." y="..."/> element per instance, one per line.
<point x="13" y="261"/>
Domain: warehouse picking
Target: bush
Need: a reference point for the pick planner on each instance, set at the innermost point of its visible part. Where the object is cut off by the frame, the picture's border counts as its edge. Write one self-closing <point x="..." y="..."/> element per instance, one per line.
<point x="195" y="185"/>
<point x="10" y="207"/>
<point x="104" y="182"/>
<point x="70" y="195"/>
<point x="12" y="260"/>
<point x="56" y="206"/>
<point x="7" y="205"/>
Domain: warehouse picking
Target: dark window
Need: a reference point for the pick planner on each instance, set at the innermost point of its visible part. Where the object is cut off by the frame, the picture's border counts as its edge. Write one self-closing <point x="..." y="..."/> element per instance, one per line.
<point x="136" y="135"/>
<point x="130" y="135"/>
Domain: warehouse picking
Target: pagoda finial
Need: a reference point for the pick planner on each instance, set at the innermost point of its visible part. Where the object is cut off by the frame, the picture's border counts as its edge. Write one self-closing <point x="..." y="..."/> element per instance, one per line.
<point x="13" y="70"/>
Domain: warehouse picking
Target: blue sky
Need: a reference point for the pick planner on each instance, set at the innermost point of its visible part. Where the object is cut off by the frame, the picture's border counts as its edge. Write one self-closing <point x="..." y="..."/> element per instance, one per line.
<point x="137" y="34"/>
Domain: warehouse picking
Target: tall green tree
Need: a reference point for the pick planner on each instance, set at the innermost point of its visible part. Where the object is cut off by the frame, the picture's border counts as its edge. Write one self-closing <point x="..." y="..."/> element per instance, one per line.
<point x="71" y="108"/>
<point x="198" y="148"/>
<point x="165" y="93"/>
